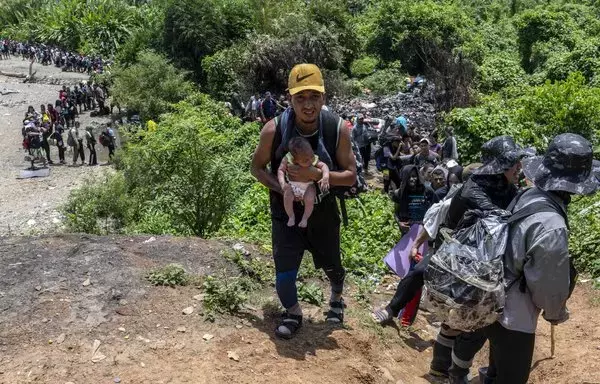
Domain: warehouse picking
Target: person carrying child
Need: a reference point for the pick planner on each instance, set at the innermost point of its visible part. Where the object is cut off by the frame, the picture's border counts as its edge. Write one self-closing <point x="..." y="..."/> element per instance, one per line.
<point x="302" y="155"/>
<point x="330" y="140"/>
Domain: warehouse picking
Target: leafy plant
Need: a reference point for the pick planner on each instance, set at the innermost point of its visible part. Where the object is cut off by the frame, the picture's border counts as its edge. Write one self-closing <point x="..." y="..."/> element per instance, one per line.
<point x="99" y="206"/>
<point x="224" y="295"/>
<point x="364" y="288"/>
<point x="150" y="87"/>
<point x="386" y="81"/>
<point x="364" y="66"/>
<point x="310" y="293"/>
<point x="170" y="275"/>
<point x="253" y="267"/>
<point x="584" y="237"/>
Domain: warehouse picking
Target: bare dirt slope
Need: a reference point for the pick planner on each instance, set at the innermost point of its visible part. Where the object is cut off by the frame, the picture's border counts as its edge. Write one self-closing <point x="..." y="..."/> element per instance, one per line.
<point x="50" y="318"/>
<point x="30" y="206"/>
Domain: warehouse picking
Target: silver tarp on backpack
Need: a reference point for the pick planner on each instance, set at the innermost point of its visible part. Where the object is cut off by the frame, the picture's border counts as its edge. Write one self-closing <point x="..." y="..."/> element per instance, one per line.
<point x="465" y="279"/>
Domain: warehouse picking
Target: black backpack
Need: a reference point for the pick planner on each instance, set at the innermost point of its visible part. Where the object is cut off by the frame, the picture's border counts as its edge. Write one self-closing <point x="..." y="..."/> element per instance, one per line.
<point x="104" y="139"/>
<point x="330" y="126"/>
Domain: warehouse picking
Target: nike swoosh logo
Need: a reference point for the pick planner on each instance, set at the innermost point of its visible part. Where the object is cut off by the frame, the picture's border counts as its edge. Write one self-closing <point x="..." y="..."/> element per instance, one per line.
<point x="300" y="78"/>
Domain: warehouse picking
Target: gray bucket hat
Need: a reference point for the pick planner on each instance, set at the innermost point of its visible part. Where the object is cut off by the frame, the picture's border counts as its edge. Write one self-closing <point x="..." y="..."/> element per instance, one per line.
<point x="499" y="155"/>
<point x="566" y="166"/>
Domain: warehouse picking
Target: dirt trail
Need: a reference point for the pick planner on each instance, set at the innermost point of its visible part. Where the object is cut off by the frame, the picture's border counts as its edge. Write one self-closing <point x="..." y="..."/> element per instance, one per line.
<point x="50" y="318"/>
<point x="30" y="206"/>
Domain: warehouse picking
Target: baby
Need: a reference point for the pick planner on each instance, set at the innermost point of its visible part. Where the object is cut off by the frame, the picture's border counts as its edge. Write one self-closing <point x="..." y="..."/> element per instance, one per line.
<point x="302" y="155"/>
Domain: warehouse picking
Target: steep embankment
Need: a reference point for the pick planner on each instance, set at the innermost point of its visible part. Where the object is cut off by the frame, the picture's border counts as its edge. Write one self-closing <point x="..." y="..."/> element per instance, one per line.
<point x="59" y="294"/>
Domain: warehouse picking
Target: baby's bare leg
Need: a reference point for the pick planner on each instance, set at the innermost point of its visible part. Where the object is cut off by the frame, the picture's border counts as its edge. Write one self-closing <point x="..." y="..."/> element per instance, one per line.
<point x="309" y="205"/>
<point x="288" y="204"/>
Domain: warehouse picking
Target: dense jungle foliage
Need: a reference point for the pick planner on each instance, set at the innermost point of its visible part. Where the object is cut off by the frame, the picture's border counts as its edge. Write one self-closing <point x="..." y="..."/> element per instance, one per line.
<point x="528" y="68"/>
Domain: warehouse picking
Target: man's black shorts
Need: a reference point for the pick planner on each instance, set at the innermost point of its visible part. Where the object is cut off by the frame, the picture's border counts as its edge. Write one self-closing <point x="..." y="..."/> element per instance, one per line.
<point x="321" y="238"/>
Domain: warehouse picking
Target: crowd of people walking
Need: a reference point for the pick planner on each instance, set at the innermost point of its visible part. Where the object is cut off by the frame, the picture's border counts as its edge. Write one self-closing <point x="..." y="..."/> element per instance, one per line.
<point x="53" y="123"/>
<point x="50" y="55"/>
<point x="438" y="203"/>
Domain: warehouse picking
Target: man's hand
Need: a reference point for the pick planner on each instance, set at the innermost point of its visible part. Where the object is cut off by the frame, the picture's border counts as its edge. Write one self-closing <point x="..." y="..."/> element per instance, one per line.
<point x="302" y="174"/>
<point x="414" y="254"/>
<point x="404" y="226"/>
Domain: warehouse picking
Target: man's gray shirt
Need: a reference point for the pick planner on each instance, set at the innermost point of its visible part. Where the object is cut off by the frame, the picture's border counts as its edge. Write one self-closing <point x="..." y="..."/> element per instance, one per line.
<point x="537" y="249"/>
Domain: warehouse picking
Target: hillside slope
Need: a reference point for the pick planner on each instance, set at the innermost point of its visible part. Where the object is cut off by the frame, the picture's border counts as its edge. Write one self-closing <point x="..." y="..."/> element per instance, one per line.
<point x="50" y="318"/>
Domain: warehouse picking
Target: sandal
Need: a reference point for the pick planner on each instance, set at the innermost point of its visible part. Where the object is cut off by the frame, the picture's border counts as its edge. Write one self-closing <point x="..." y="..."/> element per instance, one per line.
<point x="381" y="315"/>
<point x="290" y="324"/>
<point x="336" y="312"/>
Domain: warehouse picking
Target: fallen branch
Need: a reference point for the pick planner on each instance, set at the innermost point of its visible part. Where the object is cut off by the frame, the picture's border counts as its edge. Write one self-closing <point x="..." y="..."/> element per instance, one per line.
<point x="13" y="74"/>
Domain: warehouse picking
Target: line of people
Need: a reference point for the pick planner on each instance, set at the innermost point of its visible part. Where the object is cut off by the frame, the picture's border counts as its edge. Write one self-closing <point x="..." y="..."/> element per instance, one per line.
<point x="48" y="55"/>
<point x="48" y="127"/>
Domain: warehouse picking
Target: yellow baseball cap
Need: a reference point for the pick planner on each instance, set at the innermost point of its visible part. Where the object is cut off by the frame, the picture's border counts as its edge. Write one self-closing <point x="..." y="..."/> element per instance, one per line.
<point x="305" y="76"/>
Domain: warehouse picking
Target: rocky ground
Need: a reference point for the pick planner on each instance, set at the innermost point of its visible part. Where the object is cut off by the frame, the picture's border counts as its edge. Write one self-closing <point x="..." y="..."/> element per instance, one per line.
<point x="30" y="206"/>
<point x="77" y="309"/>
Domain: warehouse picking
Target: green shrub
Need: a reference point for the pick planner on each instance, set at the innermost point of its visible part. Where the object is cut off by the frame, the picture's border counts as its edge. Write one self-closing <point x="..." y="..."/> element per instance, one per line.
<point x="224" y="295"/>
<point x="194" y="29"/>
<point x="386" y="81"/>
<point x="414" y="31"/>
<point x="190" y="164"/>
<point x="584" y="237"/>
<point x="151" y="86"/>
<point x="170" y="275"/>
<point x="498" y="72"/>
<point x="310" y="293"/>
<point x="250" y="220"/>
<point x="364" y="66"/>
<point x="99" y="206"/>
<point x="370" y="234"/>
<point x="533" y="115"/>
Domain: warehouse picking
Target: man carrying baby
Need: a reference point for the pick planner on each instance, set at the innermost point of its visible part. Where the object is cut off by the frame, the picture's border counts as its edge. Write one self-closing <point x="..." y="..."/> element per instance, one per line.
<point x="330" y="142"/>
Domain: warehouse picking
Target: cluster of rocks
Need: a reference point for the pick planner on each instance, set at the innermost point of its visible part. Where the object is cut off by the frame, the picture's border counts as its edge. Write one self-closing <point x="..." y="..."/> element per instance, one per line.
<point x="417" y="106"/>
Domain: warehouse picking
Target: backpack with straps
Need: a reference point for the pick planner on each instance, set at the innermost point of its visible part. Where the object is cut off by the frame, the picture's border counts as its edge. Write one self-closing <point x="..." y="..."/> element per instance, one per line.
<point x="465" y="278"/>
<point x="104" y="139"/>
<point x="329" y="130"/>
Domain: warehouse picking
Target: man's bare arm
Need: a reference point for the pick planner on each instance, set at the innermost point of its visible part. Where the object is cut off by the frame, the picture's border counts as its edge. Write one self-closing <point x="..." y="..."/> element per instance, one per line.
<point x="262" y="157"/>
<point x="345" y="160"/>
<point x="421" y="238"/>
<point x="281" y="172"/>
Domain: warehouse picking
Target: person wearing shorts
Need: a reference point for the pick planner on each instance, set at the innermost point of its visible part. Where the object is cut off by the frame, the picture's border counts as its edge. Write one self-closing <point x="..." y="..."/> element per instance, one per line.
<point x="321" y="237"/>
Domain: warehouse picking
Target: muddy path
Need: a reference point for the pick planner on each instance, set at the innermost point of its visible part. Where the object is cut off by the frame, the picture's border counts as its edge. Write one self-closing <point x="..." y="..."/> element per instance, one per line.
<point x="30" y="206"/>
<point x="60" y="295"/>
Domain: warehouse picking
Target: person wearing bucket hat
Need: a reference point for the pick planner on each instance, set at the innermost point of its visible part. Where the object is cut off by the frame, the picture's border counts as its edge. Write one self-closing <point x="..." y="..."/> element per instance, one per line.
<point x="538" y="271"/>
<point x="488" y="191"/>
<point x="332" y="144"/>
<point x="491" y="186"/>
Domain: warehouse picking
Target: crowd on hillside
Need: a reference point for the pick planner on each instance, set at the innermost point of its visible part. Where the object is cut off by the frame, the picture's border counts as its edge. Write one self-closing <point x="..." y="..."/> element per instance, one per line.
<point x="53" y="123"/>
<point x="50" y="55"/>
<point x="488" y="241"/>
